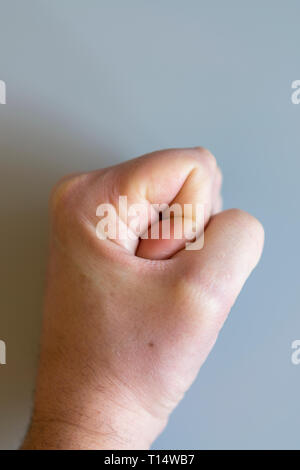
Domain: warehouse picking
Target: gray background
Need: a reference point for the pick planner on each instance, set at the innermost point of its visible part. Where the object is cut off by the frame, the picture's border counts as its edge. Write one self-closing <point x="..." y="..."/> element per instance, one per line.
<point x="91" y="83"/>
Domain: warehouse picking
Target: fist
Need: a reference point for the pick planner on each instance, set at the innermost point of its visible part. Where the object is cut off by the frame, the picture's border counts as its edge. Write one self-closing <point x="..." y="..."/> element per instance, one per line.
<point x="129" y="320"/>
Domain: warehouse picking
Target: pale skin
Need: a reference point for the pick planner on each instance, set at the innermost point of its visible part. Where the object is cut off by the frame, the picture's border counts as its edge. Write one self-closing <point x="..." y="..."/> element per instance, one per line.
<point x="128" y="324"/>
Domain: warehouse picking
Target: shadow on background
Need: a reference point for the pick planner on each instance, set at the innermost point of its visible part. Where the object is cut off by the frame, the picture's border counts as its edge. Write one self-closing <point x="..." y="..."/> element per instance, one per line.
<point x="27" y="175"/>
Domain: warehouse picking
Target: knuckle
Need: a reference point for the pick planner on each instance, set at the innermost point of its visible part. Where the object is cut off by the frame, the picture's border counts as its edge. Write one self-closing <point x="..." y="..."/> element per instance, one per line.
<point x="64" y="192"/>
<point x="202" y="304"/>
<point x="206" y="158"/>
<point x="219" y="177"/>
<point x="201" y="293"/>
<point x="249" y="224"/>
<point x="215" y="300"/>
<point x="250" y="231"/>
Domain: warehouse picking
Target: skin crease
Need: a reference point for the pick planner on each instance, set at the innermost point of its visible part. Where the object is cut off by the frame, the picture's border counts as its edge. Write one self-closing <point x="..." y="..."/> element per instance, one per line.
<point x="128" y="324"/>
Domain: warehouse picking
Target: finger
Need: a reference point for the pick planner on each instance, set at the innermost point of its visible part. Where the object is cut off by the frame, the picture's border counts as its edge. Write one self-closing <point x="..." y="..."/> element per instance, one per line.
<point x="200" y="189"/>
<point x="218" y="205"/>
<point x="180" y="175"/>
<point x="233" y="244"/>
<point x="217" y="201"/>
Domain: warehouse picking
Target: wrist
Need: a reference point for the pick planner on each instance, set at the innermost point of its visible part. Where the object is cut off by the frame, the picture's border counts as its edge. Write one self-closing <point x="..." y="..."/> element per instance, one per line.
<point x="72" y="415"/>
<point x="71" y="433"/>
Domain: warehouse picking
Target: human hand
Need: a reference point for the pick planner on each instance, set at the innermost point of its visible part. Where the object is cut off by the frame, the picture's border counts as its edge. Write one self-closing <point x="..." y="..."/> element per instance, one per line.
<point x="128" y="323"/>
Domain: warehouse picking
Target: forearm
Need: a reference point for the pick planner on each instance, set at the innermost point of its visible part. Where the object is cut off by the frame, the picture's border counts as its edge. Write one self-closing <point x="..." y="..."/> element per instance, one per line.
<point x="78" y="432"/>
<point x="76" y="415"/>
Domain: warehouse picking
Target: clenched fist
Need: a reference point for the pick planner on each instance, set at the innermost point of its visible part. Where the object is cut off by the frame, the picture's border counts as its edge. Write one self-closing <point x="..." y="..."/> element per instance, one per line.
<point x="128" y="321"/>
